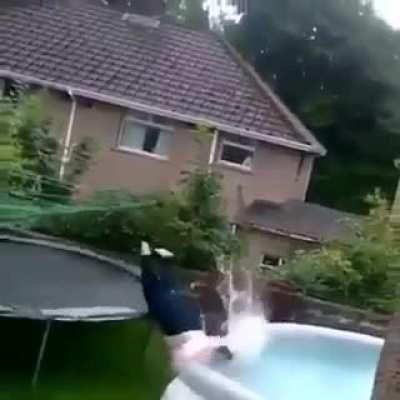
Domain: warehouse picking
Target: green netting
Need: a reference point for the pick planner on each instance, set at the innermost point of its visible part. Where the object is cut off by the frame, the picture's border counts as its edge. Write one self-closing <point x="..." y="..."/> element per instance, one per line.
<point x="35" y="197"/>
<point x="23" y="210"/>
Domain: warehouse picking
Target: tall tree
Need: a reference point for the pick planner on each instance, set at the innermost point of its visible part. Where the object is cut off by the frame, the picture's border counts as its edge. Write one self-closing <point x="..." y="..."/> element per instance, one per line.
<point x="190" y="12"/>
<point x="336" y="64"/>
<point x="30" y="154"/>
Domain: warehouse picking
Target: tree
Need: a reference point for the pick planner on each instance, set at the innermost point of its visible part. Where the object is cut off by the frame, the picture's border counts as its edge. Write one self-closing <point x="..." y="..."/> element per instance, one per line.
<point x="189" y="12"/>
<point x="34" y="153"/>
<point x="362" y="270"/>
<point x="337" y="66"/>
<point x="188" y="222"/>
<point x="8" y="152"/>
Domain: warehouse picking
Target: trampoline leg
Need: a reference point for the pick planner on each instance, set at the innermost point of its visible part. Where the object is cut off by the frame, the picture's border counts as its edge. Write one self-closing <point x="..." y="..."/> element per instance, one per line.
<point x="42" y="350"/>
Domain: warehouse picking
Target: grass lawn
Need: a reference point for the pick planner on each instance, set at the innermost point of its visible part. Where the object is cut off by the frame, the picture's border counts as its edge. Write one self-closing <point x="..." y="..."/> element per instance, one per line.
<point x="91" y="361"/>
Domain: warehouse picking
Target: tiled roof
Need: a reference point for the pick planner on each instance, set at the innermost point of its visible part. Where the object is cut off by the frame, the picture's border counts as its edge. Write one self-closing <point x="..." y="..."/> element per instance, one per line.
<point x="298" y="218"/>
<point x="169" y="67"/>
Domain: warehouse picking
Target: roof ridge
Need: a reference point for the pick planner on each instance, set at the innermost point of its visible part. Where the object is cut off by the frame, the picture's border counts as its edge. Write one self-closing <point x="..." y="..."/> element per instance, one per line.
<point x="84" y="7"/>
<point x="193" y="77"/>
<point x="169" y="19"/>
<point x="267" y="91"/>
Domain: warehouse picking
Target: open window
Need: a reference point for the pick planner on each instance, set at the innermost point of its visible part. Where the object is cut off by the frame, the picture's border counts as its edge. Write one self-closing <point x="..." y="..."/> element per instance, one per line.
<point x="144" y="137"/>
<point x="271" y="262"/>
<point x="236" y="154"/>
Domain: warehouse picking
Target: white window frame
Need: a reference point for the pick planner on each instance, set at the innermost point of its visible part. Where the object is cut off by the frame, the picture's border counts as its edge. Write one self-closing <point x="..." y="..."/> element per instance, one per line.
<point x="264" y="266"/>
<point x="251" y="149"/>
<point x="2" y="87"/>
<point x="164" y="129"/>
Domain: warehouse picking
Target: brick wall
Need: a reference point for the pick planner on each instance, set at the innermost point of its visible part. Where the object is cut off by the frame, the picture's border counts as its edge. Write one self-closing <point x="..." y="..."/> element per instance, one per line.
<point x="284" y="304"/>
<point x="387" y="382"/>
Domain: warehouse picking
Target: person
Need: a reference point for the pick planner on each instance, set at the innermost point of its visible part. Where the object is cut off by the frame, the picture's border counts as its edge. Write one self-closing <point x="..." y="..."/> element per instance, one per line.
<point x="167" y="302"/>
<point x="212" y="307"/>
<point x="178" y="315"/>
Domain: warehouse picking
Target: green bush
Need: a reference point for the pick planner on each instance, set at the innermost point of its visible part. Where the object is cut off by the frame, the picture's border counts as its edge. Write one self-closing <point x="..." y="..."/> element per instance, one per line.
<point x="188" y="222"/>
<point x="362" y="269"/>
<point x="30" y="153"/>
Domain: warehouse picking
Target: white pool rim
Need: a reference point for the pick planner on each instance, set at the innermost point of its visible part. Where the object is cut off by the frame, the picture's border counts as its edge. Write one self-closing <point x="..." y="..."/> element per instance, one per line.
<point x="291" y="329"/>
<point x="199" y="382"/>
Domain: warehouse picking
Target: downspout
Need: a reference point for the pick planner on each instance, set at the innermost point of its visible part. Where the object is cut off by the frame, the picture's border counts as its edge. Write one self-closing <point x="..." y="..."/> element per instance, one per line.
<point x="68" y="136"/>
<point x="234" y="229"/>
<point x="213" y="148"/>
<point x="306" y="167"/>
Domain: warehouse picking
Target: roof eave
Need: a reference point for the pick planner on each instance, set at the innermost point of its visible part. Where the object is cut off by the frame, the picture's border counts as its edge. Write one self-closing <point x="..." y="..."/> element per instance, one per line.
<point x="314" y="147"/>
<point x="290" y="117"/>
<point x="278" y="232"/>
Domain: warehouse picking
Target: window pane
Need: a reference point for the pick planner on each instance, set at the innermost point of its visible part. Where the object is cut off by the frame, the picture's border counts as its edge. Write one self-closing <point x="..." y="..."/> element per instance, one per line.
<point x="271" y="261"/>
<point x="146" y="138"/>
<point x="162" y="144"/>
<point x="237" y="155"/>
<point x="133" y="135"/>
<point x="151" y="139"/>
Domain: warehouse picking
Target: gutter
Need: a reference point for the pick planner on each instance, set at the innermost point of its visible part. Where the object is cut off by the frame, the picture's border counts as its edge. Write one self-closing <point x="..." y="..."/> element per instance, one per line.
<point x="292" y="144"/>
<point x="278" y="232"/>
<point x="290" y="117"/>
<point x="68" y="136"/>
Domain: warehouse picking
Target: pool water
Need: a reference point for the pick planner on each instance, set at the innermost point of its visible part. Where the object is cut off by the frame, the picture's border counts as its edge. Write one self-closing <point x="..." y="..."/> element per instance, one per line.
<point x="310" y="363"/>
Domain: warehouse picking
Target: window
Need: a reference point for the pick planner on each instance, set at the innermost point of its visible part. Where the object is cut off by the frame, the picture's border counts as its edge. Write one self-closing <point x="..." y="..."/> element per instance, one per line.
<point x="271" y="262"/>
<point x="142" y="137"/>
<point x="11" y="88"/>
<point x="237" y="154"/>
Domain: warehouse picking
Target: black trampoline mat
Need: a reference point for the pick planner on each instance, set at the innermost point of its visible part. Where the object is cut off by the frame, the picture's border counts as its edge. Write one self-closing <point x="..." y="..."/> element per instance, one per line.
<point x="41" y="278"/>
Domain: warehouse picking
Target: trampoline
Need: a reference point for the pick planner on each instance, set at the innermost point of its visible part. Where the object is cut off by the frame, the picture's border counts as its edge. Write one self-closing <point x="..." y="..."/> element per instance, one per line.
<point x="50" y="281"/>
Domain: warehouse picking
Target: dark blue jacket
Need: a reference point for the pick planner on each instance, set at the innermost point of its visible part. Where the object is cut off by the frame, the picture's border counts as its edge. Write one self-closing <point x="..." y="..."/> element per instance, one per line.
<point x="167" y="302"/>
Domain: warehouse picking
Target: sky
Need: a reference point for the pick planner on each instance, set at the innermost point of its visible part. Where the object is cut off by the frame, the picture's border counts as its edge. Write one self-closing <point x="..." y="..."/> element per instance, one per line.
<point x="389" y="10"/>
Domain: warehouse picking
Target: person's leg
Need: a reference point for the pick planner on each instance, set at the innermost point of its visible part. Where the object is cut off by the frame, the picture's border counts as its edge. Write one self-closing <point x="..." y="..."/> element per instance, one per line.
<point x="168" y="304"/>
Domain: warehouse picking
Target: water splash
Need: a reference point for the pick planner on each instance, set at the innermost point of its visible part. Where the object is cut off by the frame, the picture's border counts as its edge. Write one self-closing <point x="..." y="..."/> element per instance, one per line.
<point x="247" y="337"/>
<point x="247" y="325"/>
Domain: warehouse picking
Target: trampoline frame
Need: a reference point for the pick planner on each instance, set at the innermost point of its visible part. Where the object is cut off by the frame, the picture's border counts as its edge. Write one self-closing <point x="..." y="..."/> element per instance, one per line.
<point x="26" y="313"/>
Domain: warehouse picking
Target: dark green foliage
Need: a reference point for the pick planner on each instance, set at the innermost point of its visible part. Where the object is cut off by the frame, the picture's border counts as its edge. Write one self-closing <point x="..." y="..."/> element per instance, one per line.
<point x="337" y="66"/>
<point x="362" y="270"/>
<point x="188" y="223"/>
<point x="8" y="152"/>
<point x="189" y="12"/>
<point x="79" y="163"/>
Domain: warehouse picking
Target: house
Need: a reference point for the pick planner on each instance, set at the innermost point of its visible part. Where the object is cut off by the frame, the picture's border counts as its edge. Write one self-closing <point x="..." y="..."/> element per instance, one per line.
<point x="275" y="230"/>
<point x="140" y="86"/>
